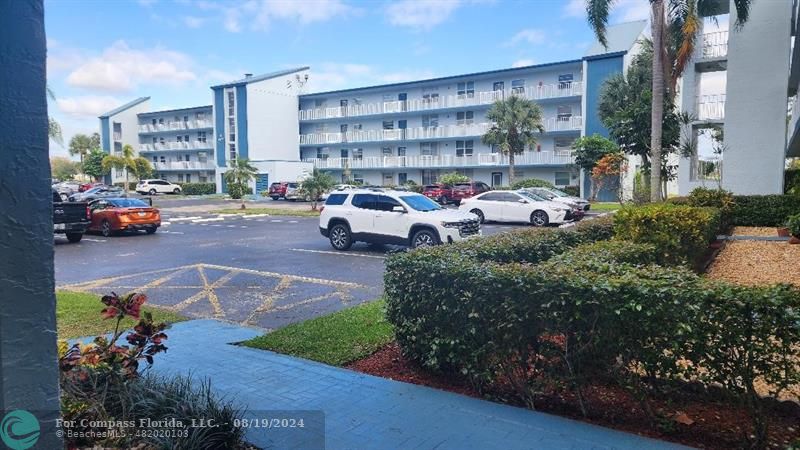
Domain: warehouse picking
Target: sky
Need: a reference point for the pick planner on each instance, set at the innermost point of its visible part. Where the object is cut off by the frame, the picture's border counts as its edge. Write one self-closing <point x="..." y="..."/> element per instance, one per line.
<point x="102" y="54"/>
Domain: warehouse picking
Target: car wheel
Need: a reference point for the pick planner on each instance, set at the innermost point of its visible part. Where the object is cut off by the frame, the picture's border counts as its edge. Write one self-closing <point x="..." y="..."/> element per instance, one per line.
<point x="457" y="202"/>
<point x="340" y="237"/>
<point x="64" y="197"/>
<point x="275" y="198"/>
<point x="105" y="228"/>
<point x="539" y="218"/>
<point x="152" y="192"/>
<point x="479" y="213"/>
<point x="74" y="237"/>
<point x="424" y="238"/>
<point x="176" y="191"/>
<point x="151" y="230"/>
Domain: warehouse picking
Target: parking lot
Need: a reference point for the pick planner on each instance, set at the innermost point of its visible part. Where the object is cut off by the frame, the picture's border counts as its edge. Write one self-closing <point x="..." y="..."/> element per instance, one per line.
<point x="263" y="271"/>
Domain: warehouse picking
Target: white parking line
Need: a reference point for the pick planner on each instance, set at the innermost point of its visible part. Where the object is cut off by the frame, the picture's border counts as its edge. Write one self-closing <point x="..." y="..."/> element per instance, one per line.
<point x="178" y="219"/>
<point x="337" y="253"/>
<point x="210" y="219"/>
<point x="229" y="215"/>
<point x="165" y="223"/>
<point x="242" y="226"/>
<point x="216" y="225"/>
<point x="231" y="226"/>
<point x="251" y="216"/>
<point x="276" y="220"/>
<point x="292" y="221"/>
<point x="94" y="240"/>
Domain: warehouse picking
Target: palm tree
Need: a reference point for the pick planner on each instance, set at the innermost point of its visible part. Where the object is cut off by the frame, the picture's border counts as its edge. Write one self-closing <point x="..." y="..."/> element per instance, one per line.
<point x="239" y="176"/>
<point x="53" y="127"/>
<point x="81" y="144"/>
<point x="126" y="161"/>
<point x="317" y="184"/>
<point x="674" y="27"/>
<point x="515" y="122"/>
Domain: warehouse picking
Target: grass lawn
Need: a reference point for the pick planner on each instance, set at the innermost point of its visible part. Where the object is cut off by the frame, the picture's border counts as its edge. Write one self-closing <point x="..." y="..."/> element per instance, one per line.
<point x="78" y="315"/>
<point x="605" y="206"/>
<point x="334" y="339"/>
<point x="271" y="211"/>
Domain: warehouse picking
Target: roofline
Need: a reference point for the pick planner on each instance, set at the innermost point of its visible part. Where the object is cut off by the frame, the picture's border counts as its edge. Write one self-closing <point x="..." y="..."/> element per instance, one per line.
<point x="119" y="109"/>
<point x="262" y="77"/>
<point x="173" y="110"/>
<point x="605" y="55"/>
<point x="451" y="77"/>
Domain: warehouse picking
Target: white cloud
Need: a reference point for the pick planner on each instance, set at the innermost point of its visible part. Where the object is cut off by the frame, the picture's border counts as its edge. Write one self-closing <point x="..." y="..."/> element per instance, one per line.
<point x="575" y="8"/>
<point x="193" y="21"/>
<point x="421" y="14"/>
<point x="528" y="36"/>
<point x="259" y="14"/>
<point x="522" y="63"/>
<point x="87" y="105"/>
<point x="121" y="68"/>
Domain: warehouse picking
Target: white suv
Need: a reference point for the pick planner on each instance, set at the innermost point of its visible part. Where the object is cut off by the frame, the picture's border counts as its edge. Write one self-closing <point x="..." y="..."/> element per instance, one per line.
<point x="392" y="217"/>
<point x="154" y="187"/>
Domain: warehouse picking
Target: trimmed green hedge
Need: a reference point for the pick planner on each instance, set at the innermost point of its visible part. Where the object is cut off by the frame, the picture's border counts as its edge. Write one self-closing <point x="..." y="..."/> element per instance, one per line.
<point x="531" y="182"/>
<point x="744" y="210"/>
<point x="198" y="188"/>
<point x="680" y="233"/>
<point x="574" y="191"/>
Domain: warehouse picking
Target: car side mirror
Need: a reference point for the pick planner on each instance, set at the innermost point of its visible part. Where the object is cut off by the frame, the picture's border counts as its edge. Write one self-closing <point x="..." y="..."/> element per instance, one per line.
<point x="399" y="209"/>
<point x="522" y="200"/>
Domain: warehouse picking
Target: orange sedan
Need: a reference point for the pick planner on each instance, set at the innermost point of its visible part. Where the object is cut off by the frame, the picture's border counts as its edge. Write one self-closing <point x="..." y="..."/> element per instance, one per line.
<point x="110" y="215"/>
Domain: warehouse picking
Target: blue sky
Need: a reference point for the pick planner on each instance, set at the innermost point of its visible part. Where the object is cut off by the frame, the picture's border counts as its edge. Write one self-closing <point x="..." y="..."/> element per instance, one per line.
<point x="104" y="53"/>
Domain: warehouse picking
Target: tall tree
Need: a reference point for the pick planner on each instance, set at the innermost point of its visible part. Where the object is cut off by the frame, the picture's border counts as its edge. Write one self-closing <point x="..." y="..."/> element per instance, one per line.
<point x="93" y="164"/>
<point x="126" y="161"/>
<point x="81" y="144"/>
<point x="515" y="122"/>
<point x="63" y="168"/>
<point x="589" y="149"/>
<point x="239" y="176"/>
<point x="317" y="184"/>
<point x="674" y="27"/>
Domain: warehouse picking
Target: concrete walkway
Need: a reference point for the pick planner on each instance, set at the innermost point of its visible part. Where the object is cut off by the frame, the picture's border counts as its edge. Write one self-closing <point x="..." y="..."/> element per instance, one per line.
<point x="362" y="411"/>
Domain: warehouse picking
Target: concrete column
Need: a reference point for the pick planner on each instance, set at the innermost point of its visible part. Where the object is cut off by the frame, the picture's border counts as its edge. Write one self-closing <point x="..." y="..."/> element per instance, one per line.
<point x="28" y="365"/>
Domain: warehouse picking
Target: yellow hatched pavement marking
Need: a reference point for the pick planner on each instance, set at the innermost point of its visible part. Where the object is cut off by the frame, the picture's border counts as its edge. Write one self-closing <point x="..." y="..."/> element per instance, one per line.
<point x="269" y="300"/>
<point x="207" y="292"/>
<point x="87" y="285"/>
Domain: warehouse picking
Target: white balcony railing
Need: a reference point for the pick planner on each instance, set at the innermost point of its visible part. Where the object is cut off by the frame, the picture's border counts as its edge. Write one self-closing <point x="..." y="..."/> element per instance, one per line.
<point x="540" y="92"/>
<point x="711" y="107"/>
<point x="183" y="165"/>
<point x="175" y="126"/>
<point x="714" y="45"/>
<point x="191" y="145"/>
<point x="571" y="123"/>
<point x="441" y="161"/>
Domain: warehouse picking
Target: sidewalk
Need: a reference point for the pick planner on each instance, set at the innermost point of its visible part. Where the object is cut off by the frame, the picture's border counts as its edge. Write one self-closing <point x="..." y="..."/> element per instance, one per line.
<point x="363" y="411"/>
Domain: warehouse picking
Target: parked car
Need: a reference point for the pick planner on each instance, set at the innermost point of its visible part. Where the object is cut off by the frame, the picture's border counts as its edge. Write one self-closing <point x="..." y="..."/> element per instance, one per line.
<point x="98" y="192"/>
<point x="70" y="218"/>
<point x="67" y="188"/>
<point x="277" y="190"/>
<point x="392" y="217"/>
<point x="557" y="195"/>
<point x="442" y="193"/>
<point x="577" y="210"/>
<point x="86" y="186"/>
<point x="110" y="215"/>
<point x="516" y="206"/>
<point x="293" y="192"/>
<point x="462" y="191"/>
<point x="153" y="187"/>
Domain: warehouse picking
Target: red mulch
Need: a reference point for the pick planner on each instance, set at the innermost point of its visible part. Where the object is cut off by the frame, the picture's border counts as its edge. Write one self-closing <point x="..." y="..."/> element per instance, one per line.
<point x="714" y="424"/>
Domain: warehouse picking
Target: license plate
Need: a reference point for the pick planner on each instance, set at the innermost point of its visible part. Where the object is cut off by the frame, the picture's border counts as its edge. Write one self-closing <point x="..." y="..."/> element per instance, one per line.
<point x="60" y="226"/>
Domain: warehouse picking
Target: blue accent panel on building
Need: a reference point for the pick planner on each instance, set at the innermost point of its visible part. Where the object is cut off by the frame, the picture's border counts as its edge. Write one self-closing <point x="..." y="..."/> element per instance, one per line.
<point x="597" y="70"/>
<point x="219" y="126"/>
<point x="105" y="134"/>
<point x="223" y="184"/>
<point x="241" y="122"/>
<point x="262" y="182"/>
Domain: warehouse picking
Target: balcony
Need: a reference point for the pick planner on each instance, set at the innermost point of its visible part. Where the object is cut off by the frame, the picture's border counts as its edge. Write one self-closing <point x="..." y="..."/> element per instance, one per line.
<point x="714" y="45"/>
<point x="572" y="123"/>
<point x="545" y="91"/>
<point x="442" y="161"/>
<point x="711" y="107"/>
<point x="166" y="146"/>
<point x="183" y="165"/>
<point x="175" y="126"/>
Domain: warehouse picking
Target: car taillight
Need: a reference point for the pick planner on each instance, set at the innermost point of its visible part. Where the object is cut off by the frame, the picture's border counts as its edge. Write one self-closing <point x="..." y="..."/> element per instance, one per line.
<point x="88" y="213"/>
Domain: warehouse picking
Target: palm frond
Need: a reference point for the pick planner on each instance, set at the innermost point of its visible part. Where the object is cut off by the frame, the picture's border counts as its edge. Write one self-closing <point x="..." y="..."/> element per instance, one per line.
<point x="54" y="132"/>
<point x="742" y="12"/>
<point x="597" y="12"/>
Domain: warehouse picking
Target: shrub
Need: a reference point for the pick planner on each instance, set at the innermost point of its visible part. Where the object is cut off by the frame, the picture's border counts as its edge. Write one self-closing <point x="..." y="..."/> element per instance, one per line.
<point x="680" y="233"/>
<point x="574" y="191"/>
<point x="237" y="191"/>
<point x="791" y="181"/>
<point x="531" y="182"/>
<point x="198" y="188"/>
<point x="452" y="178"/>
<point x="764" y="210"/>
<point x="793" y="223"/>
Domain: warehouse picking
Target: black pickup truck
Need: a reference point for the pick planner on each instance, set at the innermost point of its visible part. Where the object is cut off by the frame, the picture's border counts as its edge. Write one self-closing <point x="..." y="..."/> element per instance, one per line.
<point x="70" y="218"/>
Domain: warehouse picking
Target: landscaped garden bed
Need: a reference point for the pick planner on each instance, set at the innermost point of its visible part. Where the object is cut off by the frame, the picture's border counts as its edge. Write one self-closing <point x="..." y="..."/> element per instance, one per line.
<point x="757" y="263"/>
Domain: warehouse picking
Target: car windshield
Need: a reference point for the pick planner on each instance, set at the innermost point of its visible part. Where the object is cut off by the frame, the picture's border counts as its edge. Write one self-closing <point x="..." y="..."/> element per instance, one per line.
<point x="532" y="196"/>
<point x="558" y="193"/>
<point x="94" y="190"/>
<point x="128" y="203"/>
<point x="420" y="203"/>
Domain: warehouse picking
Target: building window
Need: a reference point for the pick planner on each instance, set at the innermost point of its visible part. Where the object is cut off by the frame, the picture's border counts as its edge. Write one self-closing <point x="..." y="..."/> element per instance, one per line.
<point x="388" y="124"/>
<point x="180" y="138"/>
<point x="155" y="140"/>
<point x="200" y="115"/>
<point x="118" y="147"/>
<point x="154" y="121"/>
<point x="563" y="145"/>
<point x="358" y="178"/>
<point x="232" y="151"/>
<point x="343" y="153"/>
<point x="564" y="113"/>
<point x="202" y="157"/>
<point x="464" y="148"/>
<point x="180" y="177"/>
<point x="188" y="178"/>
<point x="163" y="160"/>
<point x="203" y="179"/>
<point x="402" y="178"/>
<point x="430" y="176"/>
<point x="429" y="148"/>
<point x="358" y="153"/>
<point x="155" y="159"/>
<point x="232" y="137"/>
<point x="465" y="118"/>
<point x="562" y="179"/>
<point x="430" y="120"/>
<point x="322" y="152"/>
<point x="431" y="98"/>
<point x="201" y="136"/>
<point x="387" y="151"/>
<point x="466" y="89"/>
<point x="187" y="157"/>
<point x="565" y="81"/>
<point x="517" y="86"/>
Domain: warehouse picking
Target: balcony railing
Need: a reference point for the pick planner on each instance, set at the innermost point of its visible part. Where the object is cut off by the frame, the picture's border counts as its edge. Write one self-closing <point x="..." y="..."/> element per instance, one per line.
<point x="544" y="91"/>
<point x="424" y="133"/>
<point x="191" y="145"/>
<point x="441" y="161"/>
<point x="714" y="45"/>
<point x="707" y="170"/>
<point x="711" y="107"/>
<point x="183" y="165"/>
<point x="175" y="126"/>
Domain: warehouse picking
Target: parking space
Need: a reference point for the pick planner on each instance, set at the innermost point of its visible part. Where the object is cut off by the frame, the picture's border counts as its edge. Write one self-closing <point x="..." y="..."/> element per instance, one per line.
<point x="259" y="270"/>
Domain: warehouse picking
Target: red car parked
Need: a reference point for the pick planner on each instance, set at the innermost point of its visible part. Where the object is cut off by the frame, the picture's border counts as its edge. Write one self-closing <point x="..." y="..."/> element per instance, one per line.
<point x="123" y="214"/>
<point x="86" y="186"/>
<point x="439" y="192"/>
<point x="278" y="190"/>
<point x="467" y="190"/>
